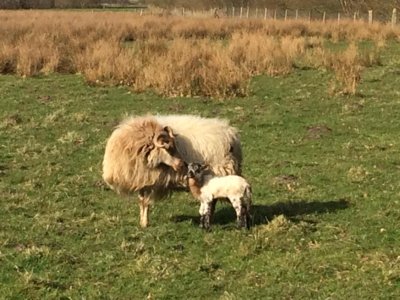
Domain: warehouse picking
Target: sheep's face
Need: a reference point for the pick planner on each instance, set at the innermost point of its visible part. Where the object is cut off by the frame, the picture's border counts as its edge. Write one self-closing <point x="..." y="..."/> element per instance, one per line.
<point x="162" y="150"/>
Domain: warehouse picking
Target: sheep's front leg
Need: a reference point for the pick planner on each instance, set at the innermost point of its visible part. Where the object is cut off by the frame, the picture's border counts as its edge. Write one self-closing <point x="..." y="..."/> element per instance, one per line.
<point x="144" y="201"/>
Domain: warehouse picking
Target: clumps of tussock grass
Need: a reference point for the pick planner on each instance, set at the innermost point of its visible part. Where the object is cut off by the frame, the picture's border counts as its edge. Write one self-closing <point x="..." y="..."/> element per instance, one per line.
<point x="265" y="54"/>
<point x="31" y="149"/>
<point x="317" y="131"/>
<point x="272" y="234"/>
<point x="347" y="66"/>
<point x="54" y="117"/>
<point x="175" y="56"/>
<point x="80" y="117"/>
<point x="71" y="137"/>
<point x="289" y="182"/>
<point x="35" y="251"/>
<point x="11" y="121"/>
<point x="386" y="265"/>
<point x="194" y="67"/>
<point x="357" y="174"/>
<point x="278" y="224"/>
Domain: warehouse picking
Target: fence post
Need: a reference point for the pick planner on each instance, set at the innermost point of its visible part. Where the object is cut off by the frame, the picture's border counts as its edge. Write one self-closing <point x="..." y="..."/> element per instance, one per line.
<point x="354" y="17"/>
<point x="141" y="12"/>
<point x="247" y="13"/>
<point x="297" y="14"/>
<point x="256" y="13"/>
<point x="233" y="11"/>
<point x="370" y="17"/>
<point x="323" y="17"/>
<point x="265" y="13"/>
<point x="309" y="16"/>
<point x="394" y="17"/>
<point x="275" y="15"/>
<point x="241" y="12"/>
<point x="338" y="18"/>
<point x="285" y="14"/>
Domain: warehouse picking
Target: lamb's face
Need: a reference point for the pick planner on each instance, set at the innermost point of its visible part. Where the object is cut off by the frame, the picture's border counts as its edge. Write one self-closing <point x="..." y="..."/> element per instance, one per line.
<point x="195" y="170"/>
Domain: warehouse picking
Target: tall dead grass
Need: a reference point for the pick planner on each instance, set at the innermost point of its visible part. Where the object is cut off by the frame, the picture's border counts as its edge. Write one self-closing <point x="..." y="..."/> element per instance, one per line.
<point x="174" y="56"/>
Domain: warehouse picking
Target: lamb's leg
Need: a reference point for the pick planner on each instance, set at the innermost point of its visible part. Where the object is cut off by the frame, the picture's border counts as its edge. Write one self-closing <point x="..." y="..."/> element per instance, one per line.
<point x="212" y="208"/>
<point x="144" y="201"/>
<point x="202" y="212"/>
<point x="245" y="217"/>
<point x="242" y="215"/>
<point x="205" y="214"/>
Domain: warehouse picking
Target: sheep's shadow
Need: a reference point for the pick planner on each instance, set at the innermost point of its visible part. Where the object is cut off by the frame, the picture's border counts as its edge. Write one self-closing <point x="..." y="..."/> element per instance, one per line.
<point x="262" y="214"/>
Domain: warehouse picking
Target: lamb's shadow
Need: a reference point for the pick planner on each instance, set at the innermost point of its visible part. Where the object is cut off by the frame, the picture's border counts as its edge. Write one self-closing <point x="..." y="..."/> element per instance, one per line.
<point x="262" y="214"/>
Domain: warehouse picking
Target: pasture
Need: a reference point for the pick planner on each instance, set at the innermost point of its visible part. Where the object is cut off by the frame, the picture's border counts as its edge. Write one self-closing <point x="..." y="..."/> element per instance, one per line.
<point x="323" y="162"/>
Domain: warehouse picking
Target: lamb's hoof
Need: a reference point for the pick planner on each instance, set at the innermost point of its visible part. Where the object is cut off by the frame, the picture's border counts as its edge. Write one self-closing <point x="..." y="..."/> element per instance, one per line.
<point x="243" y="223"/>
<point x="207" y="228"/>
<point x="205" y="222"/>
<point x="201" y="225"/>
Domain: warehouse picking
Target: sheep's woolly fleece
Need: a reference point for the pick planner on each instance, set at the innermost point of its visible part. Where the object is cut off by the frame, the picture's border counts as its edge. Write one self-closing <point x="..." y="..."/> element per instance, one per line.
<point x="208" y="141"/>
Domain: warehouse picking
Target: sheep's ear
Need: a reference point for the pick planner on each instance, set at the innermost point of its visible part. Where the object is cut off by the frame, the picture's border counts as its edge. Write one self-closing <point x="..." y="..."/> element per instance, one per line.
<point x="162" y="140"/>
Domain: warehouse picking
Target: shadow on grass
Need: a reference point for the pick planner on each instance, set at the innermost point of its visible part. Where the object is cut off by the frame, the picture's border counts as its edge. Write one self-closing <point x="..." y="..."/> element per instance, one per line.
<point x="262" y="214"/>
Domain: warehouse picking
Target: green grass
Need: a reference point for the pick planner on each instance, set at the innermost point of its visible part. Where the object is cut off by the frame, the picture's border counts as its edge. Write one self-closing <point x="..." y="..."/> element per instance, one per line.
<point x="324" y="169"/>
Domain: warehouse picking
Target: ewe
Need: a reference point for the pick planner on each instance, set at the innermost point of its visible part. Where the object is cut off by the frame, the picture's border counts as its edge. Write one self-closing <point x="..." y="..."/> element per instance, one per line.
<point x="145" y="154"/>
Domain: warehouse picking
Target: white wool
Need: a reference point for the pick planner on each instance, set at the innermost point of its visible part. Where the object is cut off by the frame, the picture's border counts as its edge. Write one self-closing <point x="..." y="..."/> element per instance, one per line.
<point x="208" y="141"/>
<point x="231" y="186"/>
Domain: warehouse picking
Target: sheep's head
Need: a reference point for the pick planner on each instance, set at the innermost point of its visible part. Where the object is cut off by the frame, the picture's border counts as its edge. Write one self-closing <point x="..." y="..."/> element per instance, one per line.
<point x="162" y="150"/>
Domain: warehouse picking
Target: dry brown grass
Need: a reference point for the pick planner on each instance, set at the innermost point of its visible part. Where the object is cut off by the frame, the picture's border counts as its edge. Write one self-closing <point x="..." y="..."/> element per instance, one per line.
<point x="175" y="56"/>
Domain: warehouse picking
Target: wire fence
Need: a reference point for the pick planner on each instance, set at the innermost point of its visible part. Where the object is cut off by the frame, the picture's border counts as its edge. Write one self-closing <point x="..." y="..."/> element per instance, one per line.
<point x="279" y="14"/>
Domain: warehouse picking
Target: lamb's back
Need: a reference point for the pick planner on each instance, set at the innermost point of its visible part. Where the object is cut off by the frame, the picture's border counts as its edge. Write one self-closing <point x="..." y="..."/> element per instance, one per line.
<point x="225" y="186"/>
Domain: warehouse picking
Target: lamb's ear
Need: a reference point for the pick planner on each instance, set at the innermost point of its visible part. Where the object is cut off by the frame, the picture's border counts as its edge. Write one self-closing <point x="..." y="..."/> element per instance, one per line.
<point x="170" y="132"/>
<point x="204" y="167"/>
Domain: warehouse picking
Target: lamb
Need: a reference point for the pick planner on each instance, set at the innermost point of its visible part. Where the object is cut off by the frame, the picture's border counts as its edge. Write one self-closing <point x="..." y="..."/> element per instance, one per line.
<point x="145" y="154"/>
<point x="208" y="188"/>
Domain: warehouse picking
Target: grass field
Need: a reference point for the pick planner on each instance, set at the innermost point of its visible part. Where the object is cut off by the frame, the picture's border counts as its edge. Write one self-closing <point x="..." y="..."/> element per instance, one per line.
<point x="324" y="170"/>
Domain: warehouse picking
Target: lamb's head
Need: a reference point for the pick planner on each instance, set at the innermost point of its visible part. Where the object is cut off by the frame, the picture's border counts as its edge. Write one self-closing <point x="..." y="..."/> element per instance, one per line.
<point x="162" y="150"/>
<point x="196" y="171"/>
